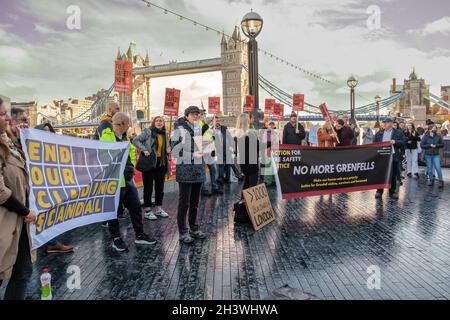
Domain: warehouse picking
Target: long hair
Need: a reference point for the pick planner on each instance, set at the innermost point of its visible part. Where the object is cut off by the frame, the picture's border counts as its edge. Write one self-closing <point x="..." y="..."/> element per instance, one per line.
<point x="153" y="126"/>
<point x="413" y="127"/>
<point x="242" y="124"/>
<point x="326" y="127"/>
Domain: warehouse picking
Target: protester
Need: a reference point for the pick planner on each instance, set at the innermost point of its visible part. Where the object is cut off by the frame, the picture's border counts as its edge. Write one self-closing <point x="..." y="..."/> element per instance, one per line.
<point x="356" y="139"/>
<point x="153" y="144"/>
<point x="293" y="131"/>
<point x="431" y="143"/>
<point x="190" y="173"/>
<point x="367" y="135"/>
<point x="54" y="245"/>
<point x="106" y="120"/>
<point x="224" y="148"/>
<point x="16" y="257"/>
<point x="345" y="134"/>
<point x="270" y="140"/>
<point x="129" y="196"/>
<point x="19" y="119"/>
<point x="326" y="135"/>
<point x="411" y="151"/>
<point x="248" y="150"/>
<point x="397" y="138"/>
<point x="106" y="123"/>
<point x="209" y="148"/>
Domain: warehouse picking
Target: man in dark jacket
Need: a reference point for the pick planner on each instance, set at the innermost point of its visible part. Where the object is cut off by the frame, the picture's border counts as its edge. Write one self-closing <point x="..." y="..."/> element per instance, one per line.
<point x="345" y="134"/>
<point x="398" y="138"/>
<point x="106" y="120"/>
<point x="293" y="134"/>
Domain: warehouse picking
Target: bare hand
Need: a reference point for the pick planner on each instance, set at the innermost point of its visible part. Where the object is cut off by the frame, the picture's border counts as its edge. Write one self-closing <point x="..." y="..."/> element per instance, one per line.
<point x="146" y="153"/>
<point x="297" y="131"/>
<point x="433" y="145"/>
<point x="31" y="217"/>
<point x="393" y="141"/>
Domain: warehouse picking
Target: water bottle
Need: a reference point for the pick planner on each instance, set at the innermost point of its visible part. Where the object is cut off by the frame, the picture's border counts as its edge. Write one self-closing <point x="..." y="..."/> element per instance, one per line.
<point x="46" y="287"/>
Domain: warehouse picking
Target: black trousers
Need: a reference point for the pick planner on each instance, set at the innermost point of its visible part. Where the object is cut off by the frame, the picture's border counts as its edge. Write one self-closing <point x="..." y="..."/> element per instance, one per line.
<point x="155" y="177"/>
<point x="395" y="173"/>
<point x="250" y="180"/>
<point x="129" y="197"/>
<point x="189" y="197"/>
<point x="22" y="270"/>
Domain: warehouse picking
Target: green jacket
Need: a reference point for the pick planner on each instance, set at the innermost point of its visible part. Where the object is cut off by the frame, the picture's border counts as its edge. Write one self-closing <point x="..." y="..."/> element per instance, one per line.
<point x="108" y="135"/>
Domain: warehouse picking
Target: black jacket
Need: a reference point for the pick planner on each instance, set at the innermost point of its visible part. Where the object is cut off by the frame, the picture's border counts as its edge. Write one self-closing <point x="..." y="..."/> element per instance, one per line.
<point x="289" y="135"/>
<point x="189" y="171"/>
<point x="398" y="137"/>
<point x="412" y="140"/>
<point x="345" y="135"/>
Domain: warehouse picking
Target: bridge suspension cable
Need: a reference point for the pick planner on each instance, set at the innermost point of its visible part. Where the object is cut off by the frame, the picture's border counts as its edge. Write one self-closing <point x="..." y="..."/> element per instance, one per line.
<point x="95" y="107"/>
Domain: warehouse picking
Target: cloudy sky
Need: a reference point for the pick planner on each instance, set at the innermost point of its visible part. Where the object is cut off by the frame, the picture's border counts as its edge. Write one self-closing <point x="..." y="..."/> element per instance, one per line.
<point x="40" y="58"/>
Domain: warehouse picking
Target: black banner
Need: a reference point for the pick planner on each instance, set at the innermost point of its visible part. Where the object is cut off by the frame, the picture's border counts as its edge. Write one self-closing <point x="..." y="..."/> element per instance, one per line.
<point x="310" y="171"/>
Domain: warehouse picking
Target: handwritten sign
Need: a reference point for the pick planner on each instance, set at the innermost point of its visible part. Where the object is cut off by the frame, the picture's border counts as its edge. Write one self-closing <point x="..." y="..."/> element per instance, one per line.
<point x="258" y="206"/>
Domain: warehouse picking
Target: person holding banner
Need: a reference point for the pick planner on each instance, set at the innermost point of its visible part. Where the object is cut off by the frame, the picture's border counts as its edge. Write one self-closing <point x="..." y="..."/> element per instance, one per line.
<point x="293" y="131"/>
<point x="397" y="138"/>
<point x="54" y="245"/>
<point x="190" y="172"/>
<point x="326" y="136"/>
<point x="16" y="256"/>
<point x="129" y="196"/>
<point x="153" y="144"/>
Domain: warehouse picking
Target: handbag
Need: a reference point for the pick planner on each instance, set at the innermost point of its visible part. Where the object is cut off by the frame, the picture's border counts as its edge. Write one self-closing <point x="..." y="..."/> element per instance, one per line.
<point x="146" y="163"/>
<point x="240" y="213"/>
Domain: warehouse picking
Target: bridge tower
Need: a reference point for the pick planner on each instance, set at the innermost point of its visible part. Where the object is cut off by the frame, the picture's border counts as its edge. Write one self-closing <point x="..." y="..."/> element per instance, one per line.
<point x="136" y="104"/>
<point x="234" y="55"/>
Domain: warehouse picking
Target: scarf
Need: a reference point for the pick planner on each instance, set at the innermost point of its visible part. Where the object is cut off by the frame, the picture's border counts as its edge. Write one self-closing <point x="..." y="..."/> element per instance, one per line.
<point x="12" y="147"/>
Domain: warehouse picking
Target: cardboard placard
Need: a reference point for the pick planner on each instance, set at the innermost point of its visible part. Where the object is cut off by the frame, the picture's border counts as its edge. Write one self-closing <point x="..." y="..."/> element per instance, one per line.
<point x="249" y="104"/>
<point x="171" y="102"/>
<point x="269" y="105"/>
<point x="258" y="206"/>
<point x="213" y="105"/>
<point x="298" y="102"/>
<point x="123" y="76"/>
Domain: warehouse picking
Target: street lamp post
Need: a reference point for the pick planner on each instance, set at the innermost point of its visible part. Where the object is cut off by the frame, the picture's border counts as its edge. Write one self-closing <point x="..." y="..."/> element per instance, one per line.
<point x="251" y="25"/>
<point x="377" y="100"/>
<point x="352" y="83"/>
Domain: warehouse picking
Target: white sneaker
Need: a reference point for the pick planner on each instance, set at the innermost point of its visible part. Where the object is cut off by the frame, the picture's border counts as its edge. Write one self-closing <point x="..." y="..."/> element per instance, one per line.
<point x="150" y="215"/>
<point x="161" y="213"/>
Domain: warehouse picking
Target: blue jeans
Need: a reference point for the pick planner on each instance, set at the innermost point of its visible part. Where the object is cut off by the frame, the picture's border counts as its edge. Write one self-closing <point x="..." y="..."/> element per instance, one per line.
<point x="433" y="161"/>
<point x="213" y="177"/>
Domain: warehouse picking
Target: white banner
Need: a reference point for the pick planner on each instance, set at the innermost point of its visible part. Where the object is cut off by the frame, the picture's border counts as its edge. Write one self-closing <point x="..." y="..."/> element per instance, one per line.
<point x="73" y="182"/>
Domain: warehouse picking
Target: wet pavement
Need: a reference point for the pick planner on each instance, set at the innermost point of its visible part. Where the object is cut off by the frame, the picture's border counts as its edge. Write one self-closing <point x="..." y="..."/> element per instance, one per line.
<point x="323" y="246"/>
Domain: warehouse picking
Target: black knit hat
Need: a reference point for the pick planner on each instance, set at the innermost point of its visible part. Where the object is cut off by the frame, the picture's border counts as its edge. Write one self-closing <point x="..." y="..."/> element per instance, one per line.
<point x="192" y="109"/>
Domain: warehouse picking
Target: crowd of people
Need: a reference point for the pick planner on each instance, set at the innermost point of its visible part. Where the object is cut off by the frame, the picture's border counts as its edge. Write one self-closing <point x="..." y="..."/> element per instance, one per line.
<point x="207" y="154"/>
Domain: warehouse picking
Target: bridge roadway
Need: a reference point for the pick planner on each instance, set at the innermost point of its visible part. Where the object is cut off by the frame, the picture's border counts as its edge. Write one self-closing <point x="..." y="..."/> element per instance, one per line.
<point x="320" y="245"/>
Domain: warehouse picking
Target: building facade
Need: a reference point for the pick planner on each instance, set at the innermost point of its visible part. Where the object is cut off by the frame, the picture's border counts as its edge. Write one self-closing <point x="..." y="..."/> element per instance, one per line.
<point x="415" y="104"/>
<point x="235" y="85"/>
